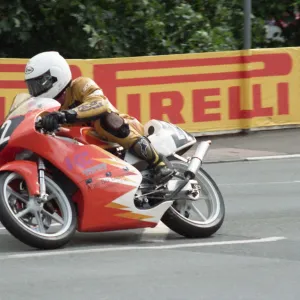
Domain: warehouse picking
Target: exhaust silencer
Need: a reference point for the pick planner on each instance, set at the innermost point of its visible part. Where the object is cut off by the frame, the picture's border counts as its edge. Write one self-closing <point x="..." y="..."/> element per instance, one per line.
<point x="197" y="159"/>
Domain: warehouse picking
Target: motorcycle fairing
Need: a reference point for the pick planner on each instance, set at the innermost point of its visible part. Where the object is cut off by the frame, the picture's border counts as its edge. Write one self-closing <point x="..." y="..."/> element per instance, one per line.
<point x="106" y="183"/>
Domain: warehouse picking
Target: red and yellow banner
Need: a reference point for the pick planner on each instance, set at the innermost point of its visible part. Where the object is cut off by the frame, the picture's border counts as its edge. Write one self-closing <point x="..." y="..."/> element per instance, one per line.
<point x="199" y="92"/>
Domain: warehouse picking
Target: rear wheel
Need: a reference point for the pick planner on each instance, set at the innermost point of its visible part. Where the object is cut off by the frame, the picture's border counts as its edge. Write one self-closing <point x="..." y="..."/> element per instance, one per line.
<point x="186" y="218"/>
<point x="42" y="225"/>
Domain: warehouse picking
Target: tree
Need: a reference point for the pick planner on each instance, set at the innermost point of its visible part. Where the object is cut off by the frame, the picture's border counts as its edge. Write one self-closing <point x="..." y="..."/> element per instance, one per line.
<point x="114" y="28"/>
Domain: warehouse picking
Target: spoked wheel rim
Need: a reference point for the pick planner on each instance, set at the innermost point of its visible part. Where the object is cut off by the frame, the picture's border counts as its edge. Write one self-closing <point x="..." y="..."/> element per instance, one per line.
<point x="208" y="194"/>
<point x="37" y="217"/>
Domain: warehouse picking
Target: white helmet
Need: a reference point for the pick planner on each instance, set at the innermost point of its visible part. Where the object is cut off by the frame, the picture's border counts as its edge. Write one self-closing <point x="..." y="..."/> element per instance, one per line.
<point x="47" y="75"/>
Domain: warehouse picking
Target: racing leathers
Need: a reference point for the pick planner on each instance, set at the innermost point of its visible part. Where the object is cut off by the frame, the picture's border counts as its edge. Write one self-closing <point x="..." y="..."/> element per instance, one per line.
<point x="84" y="102"/>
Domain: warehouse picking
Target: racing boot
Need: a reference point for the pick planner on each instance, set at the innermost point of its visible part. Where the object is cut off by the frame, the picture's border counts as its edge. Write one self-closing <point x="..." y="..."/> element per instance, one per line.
<point x="143" y="149"/>
<point x="162" y="173"/>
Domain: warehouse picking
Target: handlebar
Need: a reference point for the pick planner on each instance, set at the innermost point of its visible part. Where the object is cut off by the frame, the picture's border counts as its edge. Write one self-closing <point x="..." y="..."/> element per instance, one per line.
<point x="39" y="126"/>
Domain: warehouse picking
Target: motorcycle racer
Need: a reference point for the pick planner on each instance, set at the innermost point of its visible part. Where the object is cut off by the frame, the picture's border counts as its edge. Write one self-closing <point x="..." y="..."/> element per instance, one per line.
<point x="48" y="75"/>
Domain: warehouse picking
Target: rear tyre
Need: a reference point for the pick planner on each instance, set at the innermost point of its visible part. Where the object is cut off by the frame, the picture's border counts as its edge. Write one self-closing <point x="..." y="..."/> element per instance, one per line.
<point x="178" y="216"/>
<point x="32" y="222"/>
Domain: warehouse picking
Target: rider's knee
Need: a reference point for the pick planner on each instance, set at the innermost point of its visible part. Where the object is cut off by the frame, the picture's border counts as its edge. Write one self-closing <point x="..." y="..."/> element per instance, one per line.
<point x="115" y="125"/>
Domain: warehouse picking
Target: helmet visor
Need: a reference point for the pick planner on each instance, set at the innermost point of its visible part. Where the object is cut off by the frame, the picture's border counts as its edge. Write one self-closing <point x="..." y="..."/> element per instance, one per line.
<point x="39" y="85"/>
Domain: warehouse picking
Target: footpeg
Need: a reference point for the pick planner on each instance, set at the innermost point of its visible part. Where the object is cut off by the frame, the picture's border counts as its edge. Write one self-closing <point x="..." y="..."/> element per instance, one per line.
<point x="165" y="179"/>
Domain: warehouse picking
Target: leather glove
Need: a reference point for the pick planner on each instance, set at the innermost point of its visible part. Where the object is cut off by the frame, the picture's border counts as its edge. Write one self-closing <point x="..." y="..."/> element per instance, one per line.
<point x="51" y="121"/>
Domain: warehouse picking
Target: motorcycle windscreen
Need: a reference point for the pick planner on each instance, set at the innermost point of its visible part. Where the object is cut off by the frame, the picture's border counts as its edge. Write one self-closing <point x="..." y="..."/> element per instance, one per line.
<point x="23" y="103"/>
<point x="18" y="100"/>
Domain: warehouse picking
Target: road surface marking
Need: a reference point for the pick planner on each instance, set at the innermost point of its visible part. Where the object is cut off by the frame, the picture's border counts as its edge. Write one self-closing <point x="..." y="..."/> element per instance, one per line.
<point x="135" y="248"/>
<point x="252" y="159"/>
<point x="261" y="183"/>
<point x="270" y="157"/>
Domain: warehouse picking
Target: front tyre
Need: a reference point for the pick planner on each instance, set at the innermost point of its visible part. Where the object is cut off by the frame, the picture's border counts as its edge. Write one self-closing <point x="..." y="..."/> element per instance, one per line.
<point x="186" y="219"/>
<point x="48" y="225"/>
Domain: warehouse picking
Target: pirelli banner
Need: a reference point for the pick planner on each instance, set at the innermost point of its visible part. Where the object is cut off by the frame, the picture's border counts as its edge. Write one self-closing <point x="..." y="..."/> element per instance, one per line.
<point x="202" y="93"/>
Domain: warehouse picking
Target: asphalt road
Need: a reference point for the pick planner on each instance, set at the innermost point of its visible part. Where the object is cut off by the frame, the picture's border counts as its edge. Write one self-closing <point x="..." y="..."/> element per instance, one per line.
<point x="262" y="201"/>
<point x="260" y="143"/>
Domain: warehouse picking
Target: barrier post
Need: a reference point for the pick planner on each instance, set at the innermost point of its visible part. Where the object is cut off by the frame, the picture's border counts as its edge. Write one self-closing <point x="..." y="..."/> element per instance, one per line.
<point x="247" y="47"/>
<point x="247" y="24"/>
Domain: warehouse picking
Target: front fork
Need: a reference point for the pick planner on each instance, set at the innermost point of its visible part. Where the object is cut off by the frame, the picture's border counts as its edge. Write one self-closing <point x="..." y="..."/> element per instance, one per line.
<point x="41" y="175"/>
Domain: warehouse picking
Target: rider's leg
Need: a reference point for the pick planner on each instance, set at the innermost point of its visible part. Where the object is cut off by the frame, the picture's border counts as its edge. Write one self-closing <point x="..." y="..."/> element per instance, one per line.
<point x="130" y="136"/>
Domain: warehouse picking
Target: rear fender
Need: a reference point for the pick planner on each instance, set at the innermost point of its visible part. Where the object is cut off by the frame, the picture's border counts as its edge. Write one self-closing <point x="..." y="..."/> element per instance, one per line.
<point x="28" y="170"/>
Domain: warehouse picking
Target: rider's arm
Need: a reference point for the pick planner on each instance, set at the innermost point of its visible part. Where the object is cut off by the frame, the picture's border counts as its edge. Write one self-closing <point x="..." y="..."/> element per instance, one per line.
<point x="94" y="103"/>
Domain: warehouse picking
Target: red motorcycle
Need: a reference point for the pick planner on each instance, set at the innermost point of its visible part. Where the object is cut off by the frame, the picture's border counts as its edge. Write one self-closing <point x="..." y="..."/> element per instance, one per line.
<point x="54" y="183"/>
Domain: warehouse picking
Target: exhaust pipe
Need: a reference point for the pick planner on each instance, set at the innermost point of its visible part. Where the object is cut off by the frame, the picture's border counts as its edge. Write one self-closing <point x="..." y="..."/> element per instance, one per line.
<point x="193" y="167"/>
<point x="197" y="159"/>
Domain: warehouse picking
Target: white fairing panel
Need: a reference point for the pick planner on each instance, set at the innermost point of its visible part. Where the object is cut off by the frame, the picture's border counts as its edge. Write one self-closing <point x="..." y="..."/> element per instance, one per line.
<point x="149" y="215"/>
<point x="167" y="138"/>
<point x="126" y="201"/>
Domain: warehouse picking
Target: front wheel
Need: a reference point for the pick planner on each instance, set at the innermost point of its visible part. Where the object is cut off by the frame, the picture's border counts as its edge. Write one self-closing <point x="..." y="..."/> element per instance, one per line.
<point x="186" y="219"/>
<point x="42" y="225"/>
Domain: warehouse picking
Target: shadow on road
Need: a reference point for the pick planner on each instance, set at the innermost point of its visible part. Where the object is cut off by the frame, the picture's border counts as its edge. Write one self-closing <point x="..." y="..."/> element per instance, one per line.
<point x="9" y="244"/>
